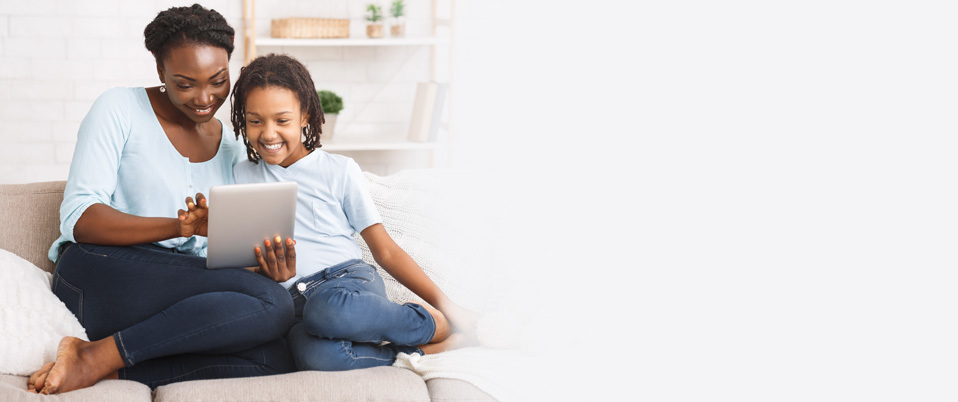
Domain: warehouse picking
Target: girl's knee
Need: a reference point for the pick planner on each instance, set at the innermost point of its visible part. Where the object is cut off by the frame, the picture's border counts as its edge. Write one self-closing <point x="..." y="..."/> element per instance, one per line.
<point x="327" y="322"/>
<point x="333" y="355"/>
<point x="315" y="353"/>
<point x="322" y="355"/>
<point x="331" y="317"/>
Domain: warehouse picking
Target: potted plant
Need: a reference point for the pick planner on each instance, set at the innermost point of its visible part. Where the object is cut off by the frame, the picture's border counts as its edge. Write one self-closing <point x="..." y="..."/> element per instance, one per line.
<point x="397" y="10"/>
<point x="374" y="21"/>
<point x="332" y="104"/>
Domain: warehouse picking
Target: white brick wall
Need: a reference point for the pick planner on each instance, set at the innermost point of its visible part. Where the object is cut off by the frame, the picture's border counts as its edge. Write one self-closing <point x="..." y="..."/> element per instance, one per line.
<point x="57" y="56"/>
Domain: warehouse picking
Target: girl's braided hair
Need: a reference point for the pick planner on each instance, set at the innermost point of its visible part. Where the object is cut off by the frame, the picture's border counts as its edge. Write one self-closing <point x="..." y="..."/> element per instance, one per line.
<point x="187" y="25"/>
<point x="277" y="70"/>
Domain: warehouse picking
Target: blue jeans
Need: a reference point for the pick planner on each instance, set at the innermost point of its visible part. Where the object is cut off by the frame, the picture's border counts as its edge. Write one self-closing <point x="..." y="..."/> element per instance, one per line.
<point x="173" y="319"/>
<point x="343" y="319"/>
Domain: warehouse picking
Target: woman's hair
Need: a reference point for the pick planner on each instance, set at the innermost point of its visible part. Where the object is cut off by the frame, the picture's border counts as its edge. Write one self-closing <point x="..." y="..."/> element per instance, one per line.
<point x="187" y="25"/>
<point x="277" y="70"/>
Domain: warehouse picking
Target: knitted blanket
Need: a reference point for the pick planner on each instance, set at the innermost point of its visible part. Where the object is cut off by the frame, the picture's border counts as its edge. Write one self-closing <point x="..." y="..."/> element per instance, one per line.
<point x="506" y="375"/>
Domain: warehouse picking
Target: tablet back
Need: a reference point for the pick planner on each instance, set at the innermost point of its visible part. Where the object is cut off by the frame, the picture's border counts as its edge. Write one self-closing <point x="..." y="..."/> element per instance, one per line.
<point x="242" y="216"/>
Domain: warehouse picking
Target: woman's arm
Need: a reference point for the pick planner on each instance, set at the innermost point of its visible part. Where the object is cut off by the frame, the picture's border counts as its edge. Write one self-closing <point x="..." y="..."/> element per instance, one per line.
<point x="101" y="224"/>
<point x="401" y="266"/>
<point x="102" y="193"/>
<point x="86" y="214"/>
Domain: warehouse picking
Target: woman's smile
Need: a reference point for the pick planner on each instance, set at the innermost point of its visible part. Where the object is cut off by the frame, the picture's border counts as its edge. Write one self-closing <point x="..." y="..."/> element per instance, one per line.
<point x="197" y="80"/>
<point x="204" y="111"/>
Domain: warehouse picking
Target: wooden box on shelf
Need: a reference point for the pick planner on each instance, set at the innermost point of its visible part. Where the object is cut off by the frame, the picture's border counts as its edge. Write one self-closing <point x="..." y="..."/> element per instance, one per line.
<point x="309" y="28"/>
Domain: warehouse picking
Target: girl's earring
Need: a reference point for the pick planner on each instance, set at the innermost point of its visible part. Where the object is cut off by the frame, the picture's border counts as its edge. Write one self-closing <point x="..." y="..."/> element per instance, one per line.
<point x="162" y="87"/>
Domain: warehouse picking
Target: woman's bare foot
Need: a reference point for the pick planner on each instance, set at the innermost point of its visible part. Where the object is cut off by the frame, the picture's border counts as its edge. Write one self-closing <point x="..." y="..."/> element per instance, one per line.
<point x="456" y="340"/>
<point x="38" y="378"/>
<point x="81" y="364"/>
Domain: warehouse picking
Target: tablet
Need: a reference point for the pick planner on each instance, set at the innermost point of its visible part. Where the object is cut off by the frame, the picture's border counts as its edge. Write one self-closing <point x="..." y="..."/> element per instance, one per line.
<point x="242" y="216"/>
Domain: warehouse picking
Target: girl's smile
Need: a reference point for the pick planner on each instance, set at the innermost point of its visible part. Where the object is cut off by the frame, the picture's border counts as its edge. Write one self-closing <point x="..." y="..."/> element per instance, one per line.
<point x="274" y="125"/>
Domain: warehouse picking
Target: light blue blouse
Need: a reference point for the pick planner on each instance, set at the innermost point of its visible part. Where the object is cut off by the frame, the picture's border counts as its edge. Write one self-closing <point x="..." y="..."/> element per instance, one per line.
<point x="124" y="159"/>
<point x="332" y="203"/>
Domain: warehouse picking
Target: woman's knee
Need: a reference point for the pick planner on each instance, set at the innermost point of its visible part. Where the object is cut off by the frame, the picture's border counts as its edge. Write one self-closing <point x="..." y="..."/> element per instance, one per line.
<point x="276" y="301"/>
<point x="281" y="310"/>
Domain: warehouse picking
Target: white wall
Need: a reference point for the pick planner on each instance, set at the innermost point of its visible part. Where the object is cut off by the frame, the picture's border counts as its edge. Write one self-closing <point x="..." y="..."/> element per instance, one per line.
<point x="57" y="56"/>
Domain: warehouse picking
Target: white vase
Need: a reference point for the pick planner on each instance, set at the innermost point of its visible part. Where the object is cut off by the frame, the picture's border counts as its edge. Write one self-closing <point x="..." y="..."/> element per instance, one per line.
<point x="328" y="127"/>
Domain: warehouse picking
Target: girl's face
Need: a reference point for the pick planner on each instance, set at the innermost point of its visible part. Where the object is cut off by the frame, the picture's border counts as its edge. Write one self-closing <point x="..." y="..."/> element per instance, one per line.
<point x="274" y="125"/>
<point x="197" y="79"/>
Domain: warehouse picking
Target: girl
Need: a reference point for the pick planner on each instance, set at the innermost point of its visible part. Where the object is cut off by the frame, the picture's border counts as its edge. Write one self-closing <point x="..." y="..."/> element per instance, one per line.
<point x="342" y="313"/>
<point x="132" y="273"/>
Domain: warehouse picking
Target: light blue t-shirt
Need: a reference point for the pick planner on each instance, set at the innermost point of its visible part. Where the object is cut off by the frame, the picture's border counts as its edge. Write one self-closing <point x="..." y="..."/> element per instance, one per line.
<point x="124" y="159"/>
<point x="333" y="202"/>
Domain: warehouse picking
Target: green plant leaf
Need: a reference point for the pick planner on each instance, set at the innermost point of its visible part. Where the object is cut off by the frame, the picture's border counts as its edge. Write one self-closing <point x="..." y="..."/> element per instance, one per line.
<point x="374" y="13"/>
<point x="332" y="103"/>
<point x="398" y="8"/>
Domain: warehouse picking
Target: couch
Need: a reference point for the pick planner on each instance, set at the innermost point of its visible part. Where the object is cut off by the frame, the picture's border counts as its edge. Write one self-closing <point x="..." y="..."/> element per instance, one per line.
<point x="29" y="222"/>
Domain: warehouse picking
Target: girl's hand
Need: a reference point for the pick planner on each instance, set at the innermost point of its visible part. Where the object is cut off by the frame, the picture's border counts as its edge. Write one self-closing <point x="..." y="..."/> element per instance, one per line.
<point x="277" y="260"/>
<point x="193" y="221"/>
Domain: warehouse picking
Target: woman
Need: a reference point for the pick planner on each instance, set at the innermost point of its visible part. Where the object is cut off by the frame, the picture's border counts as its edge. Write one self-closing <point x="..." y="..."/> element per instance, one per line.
<point x="129" y="269"/>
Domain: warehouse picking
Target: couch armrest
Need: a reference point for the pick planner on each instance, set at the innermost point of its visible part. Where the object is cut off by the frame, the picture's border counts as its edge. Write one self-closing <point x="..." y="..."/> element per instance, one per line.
<point x="30" y="220"/>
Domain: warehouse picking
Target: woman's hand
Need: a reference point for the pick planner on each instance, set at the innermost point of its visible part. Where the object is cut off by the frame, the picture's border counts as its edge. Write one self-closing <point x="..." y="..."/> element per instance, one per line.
<point x="277" y="261"/>
<point x="193" y="221"/>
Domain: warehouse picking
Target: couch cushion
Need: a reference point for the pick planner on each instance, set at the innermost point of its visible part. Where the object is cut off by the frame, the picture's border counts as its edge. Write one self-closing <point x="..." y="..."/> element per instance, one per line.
<point x="448" y="389"/>
<point x="372" y="384"/>
<point x="30" y="218"/>
<point x="14" y="389"/>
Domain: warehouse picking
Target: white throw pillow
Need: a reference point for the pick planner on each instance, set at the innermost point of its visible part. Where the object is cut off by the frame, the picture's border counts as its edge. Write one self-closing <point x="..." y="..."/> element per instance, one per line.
<point x="440" y="219"/>
<point x="32" y="318"/>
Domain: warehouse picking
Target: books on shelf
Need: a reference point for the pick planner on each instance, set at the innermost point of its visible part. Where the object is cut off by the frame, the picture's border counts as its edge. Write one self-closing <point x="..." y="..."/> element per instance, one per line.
<point x="427" y="111"/>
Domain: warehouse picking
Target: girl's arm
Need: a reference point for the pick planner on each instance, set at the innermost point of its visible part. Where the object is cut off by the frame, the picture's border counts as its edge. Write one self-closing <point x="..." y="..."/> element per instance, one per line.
<point x="401" y="266"/>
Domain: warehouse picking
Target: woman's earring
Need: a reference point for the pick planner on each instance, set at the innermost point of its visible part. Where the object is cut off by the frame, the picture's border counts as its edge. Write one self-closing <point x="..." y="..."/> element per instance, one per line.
<point x="162" y="87"/>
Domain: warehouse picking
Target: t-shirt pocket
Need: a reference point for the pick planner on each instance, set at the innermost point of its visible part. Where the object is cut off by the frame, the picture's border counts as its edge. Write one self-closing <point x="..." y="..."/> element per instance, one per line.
<point x="330" y="220"/>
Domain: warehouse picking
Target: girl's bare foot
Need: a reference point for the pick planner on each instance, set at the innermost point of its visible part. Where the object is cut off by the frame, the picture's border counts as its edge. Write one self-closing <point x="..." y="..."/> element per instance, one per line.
<point x="81" y="364"/>
<point x="456" y="340"/>
<point x="38" y="378"/>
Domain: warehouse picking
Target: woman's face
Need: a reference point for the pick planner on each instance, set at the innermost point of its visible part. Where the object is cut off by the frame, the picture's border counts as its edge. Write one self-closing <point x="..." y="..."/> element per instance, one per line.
<point x="274" y="125"/>
<point x="197" y="79"/>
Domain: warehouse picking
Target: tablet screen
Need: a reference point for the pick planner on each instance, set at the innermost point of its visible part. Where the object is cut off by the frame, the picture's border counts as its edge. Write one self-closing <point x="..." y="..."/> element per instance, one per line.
<point x="242" y="216"/>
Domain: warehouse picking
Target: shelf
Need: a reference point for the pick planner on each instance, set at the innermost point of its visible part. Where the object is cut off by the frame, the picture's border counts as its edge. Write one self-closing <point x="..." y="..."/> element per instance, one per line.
<point x="363" y="139"/>
<point x="268" y="41"/>
<point x="352" y="145"/>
